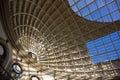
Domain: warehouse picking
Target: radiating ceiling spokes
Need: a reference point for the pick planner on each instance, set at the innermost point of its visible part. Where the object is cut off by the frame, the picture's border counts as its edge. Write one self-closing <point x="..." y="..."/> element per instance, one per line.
<point x="58" y="49"/>
<point x="31" y="45"/>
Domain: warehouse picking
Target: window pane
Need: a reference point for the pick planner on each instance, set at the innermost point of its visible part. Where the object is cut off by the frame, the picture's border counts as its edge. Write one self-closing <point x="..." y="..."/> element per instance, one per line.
<point x="106" y="39"/>
<point x="81" y="4"/>
<point x="114" y="36"/>
<point x="113" y="55"/>
<point x="71" y="2"/>
<point x="95" y="15"/>
<point x="75" y="8"/>
<point x="103" y="11"/>
<point x="92" y="7"/>
<point x="100" y="3"/>
<point x="84" y="11"/>
<point x="112" y="6"/>
<point x="116" y="15"/>
<point x="107" y="18"/>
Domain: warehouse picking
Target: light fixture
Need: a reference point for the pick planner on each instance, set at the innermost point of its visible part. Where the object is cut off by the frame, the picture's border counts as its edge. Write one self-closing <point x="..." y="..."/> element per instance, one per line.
<point x="17" y="68"/>
<point x="34" y="78"/>
<point x="1" y="50"/>
<point x="26" y="50"/>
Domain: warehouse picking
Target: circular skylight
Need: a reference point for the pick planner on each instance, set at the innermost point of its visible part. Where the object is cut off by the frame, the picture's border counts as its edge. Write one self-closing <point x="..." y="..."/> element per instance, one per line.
<point x="1" y="50"/>
<point x="97" y="10"/>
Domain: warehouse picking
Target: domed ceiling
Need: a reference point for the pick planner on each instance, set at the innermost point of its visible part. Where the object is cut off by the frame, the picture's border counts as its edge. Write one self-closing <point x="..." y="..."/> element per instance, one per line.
<point x="56" y="36"/>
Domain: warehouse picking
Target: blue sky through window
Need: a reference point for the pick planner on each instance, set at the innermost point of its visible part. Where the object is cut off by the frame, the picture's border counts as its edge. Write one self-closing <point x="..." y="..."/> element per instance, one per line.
<point x="105" y="48"/>
<point x="97" y="10"/>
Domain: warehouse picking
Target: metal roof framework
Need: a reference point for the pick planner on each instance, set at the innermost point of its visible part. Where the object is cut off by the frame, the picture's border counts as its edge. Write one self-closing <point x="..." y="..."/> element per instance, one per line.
<point x="57" y="35"/>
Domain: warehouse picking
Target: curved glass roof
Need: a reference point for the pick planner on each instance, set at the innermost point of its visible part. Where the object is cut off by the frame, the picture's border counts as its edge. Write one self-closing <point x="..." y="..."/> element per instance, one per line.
<point x="97" y="10"/>
<point x="105" y="48"/>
